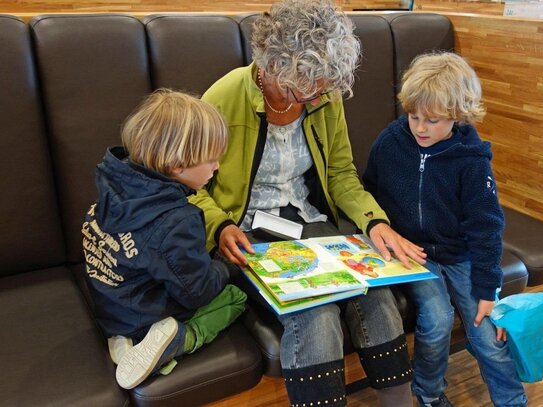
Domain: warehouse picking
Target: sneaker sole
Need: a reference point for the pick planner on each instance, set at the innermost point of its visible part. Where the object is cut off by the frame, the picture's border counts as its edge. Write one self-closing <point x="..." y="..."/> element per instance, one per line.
<point x="118" y="345"/>
<point x="138" y="362"/>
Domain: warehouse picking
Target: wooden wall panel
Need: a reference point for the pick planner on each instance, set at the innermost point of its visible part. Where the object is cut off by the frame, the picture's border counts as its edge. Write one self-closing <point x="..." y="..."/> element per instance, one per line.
<point x="460" y="6"/>
<point x="507" y="54"/>
<point x="373" y="4"/>
<point x="54" y="6"/>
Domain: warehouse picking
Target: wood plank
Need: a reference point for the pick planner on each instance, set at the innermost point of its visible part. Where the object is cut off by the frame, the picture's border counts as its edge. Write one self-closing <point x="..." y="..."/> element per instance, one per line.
<point x="54" y="6"/>
<point x="460" y="6"/>
<point x="507" y="54"/>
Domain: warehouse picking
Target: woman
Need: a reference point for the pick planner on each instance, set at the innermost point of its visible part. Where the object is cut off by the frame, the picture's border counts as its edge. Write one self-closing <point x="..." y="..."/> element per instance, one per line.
<point x="289" y="154"/>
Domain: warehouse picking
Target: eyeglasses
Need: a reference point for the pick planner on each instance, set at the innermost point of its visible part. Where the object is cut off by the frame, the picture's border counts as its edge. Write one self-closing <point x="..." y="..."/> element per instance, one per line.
<point x="309" y="99"/>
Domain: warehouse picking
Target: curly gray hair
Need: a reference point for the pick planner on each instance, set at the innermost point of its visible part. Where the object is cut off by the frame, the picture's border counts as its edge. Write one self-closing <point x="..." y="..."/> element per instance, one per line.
<point x="301" y="42"/>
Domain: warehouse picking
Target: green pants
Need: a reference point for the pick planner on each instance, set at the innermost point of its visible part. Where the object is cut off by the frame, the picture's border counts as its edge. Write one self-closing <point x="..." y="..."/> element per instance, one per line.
<point x="209" y="320"/>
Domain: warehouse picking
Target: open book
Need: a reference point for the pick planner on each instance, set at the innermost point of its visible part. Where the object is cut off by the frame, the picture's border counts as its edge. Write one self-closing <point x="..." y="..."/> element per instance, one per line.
<point x="295" y="274"/>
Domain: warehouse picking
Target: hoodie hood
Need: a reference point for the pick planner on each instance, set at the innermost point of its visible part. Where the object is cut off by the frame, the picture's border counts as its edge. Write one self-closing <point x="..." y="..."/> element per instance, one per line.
<point x="469" y="143"/>
<point x="127" y="190"/>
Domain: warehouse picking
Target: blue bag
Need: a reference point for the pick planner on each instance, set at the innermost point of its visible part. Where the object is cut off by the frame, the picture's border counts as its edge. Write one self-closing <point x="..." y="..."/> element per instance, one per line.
<point x="521" y="315"/>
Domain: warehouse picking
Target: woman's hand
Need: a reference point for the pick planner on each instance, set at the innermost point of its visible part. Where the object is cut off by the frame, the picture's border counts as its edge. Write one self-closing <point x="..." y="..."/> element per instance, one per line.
<point x="229" y="239"/>
<point x="382" y="235"/>
<point x="484" y="308"/>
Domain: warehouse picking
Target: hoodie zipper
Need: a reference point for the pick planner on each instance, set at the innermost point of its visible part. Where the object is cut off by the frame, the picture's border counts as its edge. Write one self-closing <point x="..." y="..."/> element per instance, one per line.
<point x="422" y="167"/>
<point x="423" y="158"/>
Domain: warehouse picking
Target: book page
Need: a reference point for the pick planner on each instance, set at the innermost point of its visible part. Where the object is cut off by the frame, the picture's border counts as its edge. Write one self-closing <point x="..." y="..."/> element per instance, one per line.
<point x="296" y="269"/>
<point x="304" y="268"/>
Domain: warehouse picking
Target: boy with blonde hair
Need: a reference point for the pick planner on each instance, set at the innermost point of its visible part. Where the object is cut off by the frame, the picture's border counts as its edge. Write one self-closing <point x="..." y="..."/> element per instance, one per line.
<point x="148" y="272"/>
<point x="431" y="173"/>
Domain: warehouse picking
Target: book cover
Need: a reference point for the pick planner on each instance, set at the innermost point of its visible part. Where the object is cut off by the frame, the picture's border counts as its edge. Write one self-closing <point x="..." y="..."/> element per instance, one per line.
<point x="308" y="270"/>
<point x="287" y="307"/>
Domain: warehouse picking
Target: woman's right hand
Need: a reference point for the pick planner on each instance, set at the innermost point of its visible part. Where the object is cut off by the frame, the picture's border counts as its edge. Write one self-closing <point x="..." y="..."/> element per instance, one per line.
<point x="232" y="236"/>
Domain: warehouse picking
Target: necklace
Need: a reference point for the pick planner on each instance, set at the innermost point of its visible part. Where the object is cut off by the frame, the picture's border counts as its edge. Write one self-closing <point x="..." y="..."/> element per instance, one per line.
<point x="259" y="79"/>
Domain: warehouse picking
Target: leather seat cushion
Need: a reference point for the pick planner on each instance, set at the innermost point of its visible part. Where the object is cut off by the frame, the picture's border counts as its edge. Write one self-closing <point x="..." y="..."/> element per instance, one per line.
<point x="228" y="365"/>
<point x="52" y="352"/>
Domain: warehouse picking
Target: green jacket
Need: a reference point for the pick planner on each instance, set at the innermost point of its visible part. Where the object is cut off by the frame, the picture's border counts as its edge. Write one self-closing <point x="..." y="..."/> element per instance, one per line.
<point x="333" y="181"/>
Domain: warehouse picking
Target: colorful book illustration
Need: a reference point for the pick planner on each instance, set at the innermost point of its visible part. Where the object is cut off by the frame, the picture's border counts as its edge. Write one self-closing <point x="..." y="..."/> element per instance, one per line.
<point x="298" y="305"/>
<point x="297" y="274"/>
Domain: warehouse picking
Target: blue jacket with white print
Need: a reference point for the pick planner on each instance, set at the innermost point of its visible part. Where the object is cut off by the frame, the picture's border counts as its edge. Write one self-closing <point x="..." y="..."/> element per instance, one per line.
<point x="144" y="247"/>
<point x="443" y="199"/>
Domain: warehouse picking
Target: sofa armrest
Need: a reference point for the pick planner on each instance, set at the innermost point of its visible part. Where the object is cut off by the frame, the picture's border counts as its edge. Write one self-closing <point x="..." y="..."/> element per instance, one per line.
<point x="523" y="236"/>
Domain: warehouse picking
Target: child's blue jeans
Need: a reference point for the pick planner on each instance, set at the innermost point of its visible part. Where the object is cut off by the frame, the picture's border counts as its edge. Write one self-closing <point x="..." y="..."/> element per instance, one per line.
<point x="435" y="317"/>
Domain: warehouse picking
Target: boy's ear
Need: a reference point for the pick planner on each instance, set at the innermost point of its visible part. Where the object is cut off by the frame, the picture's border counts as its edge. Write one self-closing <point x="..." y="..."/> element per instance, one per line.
<point x="174" y="172"/>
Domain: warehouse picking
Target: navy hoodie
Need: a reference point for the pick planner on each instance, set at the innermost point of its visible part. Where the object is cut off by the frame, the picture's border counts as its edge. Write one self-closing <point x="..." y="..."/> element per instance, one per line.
<point x="442" y="198"/>
<point x="144" y="247"/>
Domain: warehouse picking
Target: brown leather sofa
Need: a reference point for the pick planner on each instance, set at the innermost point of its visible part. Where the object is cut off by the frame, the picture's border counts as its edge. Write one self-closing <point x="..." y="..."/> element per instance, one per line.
<point x="66" y="84"/>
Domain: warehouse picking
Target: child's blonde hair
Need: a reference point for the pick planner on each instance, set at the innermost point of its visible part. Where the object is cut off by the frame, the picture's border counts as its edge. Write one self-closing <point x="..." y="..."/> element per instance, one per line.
<point x="442" y="85"/>
<point x="172" y="129"/>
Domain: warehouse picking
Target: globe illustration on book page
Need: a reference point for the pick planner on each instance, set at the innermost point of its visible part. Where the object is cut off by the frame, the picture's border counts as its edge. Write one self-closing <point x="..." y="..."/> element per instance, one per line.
<point x="290" y="259"/>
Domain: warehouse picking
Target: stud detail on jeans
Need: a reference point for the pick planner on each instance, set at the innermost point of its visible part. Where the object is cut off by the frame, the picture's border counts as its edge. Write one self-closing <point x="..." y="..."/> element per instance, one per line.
<point x="387" y="379"/>
<point x="399" y="348"/>
<point x="318" y="403"/>
<point x="319" y="376"/>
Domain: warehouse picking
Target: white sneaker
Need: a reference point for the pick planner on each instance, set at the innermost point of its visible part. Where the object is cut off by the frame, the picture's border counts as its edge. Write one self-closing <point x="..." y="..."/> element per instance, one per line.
<point x="138" y="362"/>
<point x="118" y="345"/>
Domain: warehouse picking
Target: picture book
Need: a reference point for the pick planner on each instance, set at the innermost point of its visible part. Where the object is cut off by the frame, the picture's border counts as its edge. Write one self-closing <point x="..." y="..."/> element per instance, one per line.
<point x="297" y="274"/>
<point x="287" y="307"/>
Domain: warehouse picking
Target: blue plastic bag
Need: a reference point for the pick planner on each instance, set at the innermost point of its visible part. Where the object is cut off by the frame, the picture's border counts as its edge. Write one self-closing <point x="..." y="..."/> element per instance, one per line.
<point x="521" y="315"/>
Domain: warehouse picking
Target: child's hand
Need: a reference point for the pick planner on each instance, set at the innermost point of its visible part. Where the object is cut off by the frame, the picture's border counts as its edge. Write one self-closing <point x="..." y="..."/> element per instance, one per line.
<point x="484" y="308"/>
<point x="229" y="239"/>
<point x="382" y="236"/>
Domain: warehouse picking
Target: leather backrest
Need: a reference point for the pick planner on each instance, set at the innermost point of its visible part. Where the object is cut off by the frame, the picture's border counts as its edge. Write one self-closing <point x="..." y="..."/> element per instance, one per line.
<point x="94" y="72"/>
<point x="246" y="28"/>
<point x="190" y="52"/>
<point x="95" y="69"/>
<point x="31" y="236"/>
<point x="373" y="104"/>
<point x="415" y="34"/>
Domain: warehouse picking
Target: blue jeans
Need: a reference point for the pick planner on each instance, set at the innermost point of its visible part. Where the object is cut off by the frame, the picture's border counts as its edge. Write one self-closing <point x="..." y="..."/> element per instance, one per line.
<point x="314" y="336"/>
<point x="435" y="316"/>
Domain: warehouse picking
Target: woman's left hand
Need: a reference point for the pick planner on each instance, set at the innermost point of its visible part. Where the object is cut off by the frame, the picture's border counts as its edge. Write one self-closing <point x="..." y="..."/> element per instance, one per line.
<point x="384" y="237"/>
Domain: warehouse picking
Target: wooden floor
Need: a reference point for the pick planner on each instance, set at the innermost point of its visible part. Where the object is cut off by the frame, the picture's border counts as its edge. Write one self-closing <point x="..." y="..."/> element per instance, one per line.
<point x="466" y="387"/>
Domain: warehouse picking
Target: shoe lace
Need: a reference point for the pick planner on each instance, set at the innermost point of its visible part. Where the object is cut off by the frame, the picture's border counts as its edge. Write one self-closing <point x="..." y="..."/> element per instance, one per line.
<point x="442" y="402"/>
